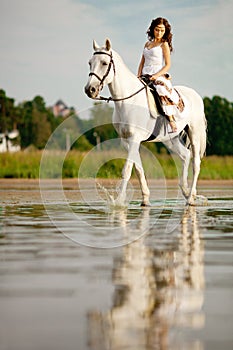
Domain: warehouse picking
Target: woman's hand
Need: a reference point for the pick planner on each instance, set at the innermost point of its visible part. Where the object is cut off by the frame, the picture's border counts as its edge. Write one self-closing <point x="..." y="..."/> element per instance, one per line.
<point x="153" y="77"/>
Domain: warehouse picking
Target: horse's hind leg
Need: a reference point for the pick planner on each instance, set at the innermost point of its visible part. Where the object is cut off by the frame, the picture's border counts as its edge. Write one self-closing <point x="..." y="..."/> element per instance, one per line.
<point x="176" y="146"/>
<point x="197" y="137"/>
<point x="196" y="171"/>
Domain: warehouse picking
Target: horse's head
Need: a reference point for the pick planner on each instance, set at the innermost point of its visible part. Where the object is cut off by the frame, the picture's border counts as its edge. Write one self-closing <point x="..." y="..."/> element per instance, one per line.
<point x="102" y="69"/>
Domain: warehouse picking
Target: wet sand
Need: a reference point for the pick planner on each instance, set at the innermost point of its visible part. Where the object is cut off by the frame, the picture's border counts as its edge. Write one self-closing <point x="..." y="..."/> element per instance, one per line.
<point x="16" y="191"/>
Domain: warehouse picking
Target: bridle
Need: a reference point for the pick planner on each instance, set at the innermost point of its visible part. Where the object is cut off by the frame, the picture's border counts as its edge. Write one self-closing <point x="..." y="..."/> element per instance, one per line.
<point x="110" y="65"/>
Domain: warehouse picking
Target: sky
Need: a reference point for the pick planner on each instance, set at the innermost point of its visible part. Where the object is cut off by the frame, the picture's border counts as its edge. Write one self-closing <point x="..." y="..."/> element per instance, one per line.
<point x="45" y="45"/>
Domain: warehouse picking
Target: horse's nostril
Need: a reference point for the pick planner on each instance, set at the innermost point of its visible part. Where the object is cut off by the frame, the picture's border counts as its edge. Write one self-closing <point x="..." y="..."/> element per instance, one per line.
<point x="92" y="89"/>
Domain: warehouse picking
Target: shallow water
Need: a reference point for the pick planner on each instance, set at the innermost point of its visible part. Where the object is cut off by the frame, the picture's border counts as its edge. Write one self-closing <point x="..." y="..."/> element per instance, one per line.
<point x="81" y="275"/>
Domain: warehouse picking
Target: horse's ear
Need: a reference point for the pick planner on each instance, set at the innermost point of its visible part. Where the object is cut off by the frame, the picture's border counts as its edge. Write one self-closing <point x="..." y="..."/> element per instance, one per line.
<point x="95" y="45"/>
<point x="108" y="44"/>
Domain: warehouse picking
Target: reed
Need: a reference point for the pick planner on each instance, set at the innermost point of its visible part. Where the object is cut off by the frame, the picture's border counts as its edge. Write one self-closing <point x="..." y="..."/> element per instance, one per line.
<point x="104" y="164"/>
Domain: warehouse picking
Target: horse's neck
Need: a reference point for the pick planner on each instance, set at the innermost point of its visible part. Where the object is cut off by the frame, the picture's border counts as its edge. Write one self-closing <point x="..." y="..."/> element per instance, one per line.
<point x="124" y="82"/>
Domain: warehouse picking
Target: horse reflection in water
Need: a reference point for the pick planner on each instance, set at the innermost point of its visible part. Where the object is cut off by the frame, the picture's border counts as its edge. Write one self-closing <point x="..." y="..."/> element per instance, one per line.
<point x="156" y="289"/>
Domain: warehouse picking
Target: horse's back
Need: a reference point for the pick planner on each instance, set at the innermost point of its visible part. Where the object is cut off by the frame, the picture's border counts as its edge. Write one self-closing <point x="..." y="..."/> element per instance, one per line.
<point x="195" y="106"/>
<point x="194" y="99"/>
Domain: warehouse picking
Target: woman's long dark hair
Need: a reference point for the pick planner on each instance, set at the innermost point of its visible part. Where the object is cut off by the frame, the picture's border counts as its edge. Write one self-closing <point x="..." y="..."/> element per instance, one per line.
<point x="167" y="35"/>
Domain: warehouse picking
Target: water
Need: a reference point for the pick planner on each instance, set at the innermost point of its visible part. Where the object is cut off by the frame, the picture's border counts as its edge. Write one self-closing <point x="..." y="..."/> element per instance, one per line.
<point x="99" y="278"/>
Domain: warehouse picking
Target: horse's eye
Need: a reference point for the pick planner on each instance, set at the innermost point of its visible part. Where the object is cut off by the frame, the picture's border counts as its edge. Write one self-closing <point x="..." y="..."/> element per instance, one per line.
<point x="104" y="63"/>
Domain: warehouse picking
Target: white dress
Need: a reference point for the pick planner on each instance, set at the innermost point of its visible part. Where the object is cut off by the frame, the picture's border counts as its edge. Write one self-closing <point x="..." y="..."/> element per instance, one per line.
<point x="154" y="61"/>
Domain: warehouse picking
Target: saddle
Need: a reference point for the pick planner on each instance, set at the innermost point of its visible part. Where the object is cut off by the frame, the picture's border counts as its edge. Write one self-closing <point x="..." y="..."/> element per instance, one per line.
<point x="157" y="100"/>
<point x="156" y="107"/>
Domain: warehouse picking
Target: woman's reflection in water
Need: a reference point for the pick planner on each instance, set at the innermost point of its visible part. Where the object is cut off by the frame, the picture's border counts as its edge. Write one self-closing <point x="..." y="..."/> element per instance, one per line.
<point x="158" y="291"/>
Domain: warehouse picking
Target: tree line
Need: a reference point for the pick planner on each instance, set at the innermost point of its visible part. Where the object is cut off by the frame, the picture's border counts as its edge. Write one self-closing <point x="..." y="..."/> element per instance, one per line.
<point x="36" y="122"/>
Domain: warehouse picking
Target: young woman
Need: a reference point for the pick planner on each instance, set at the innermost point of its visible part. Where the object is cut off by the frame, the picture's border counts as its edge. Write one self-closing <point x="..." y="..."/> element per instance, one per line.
<point x="155" y="63"/>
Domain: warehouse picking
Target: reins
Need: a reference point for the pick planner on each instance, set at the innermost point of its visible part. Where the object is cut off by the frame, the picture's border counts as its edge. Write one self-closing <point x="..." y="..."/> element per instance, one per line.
<point x="108" y="99"/>
<point x="111" y="63"/>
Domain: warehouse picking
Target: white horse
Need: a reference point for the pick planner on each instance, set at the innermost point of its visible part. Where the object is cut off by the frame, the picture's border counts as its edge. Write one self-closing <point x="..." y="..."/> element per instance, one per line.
<point x="134" y="123"/>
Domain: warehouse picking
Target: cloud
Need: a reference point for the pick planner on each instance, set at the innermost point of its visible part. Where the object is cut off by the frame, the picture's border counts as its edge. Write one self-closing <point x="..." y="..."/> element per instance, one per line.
<point x="46" y="44"/>
<point x="203" y="42"/>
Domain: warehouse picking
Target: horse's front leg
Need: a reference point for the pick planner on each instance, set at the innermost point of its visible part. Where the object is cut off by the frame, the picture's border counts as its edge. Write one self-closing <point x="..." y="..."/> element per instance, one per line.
<point x="133" y="159"/>
<point x="126" y="174"/>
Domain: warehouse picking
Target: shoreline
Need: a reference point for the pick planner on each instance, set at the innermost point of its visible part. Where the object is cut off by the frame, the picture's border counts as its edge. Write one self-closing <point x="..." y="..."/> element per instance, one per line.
<point x="11" y="183"/>
<point x="21" y="192"/>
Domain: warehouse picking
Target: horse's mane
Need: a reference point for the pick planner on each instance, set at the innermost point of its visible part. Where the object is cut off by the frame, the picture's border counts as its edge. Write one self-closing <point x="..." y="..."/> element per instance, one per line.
<point x="119" y="59"/>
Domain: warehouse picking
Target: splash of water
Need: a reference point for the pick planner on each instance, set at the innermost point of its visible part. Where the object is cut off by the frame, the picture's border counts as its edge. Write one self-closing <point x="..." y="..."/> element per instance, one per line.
<point x="112" y="203"/>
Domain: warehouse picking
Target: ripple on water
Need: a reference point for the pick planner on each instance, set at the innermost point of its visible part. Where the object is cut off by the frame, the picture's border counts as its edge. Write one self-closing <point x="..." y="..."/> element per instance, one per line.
<point x="172" y="285"/>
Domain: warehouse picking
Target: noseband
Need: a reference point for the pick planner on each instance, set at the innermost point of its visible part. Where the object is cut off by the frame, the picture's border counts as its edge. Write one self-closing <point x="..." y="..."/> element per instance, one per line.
<point x="111" y="63"/>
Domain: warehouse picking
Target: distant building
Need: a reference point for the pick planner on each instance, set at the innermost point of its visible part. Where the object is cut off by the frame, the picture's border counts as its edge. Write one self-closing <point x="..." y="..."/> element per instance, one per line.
<point x="60" y="109"/>
<point x="7" y="143"/>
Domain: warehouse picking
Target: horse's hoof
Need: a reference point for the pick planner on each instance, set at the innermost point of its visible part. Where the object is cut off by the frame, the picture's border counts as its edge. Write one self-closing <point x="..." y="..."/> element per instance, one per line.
<point x="198" y="200"/>
<point x="191" y="201"/>
<point x="145" y="204"/>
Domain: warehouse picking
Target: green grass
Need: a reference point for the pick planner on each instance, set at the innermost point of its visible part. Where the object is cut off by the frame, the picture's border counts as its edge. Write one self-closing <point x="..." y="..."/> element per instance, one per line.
<point x="20" y="165"/>
<point x="217" y="168"/>
<point x="103" y="164"/>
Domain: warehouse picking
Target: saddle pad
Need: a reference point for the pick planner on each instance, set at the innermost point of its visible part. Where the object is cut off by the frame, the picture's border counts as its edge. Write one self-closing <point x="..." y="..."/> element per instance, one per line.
<point x="151" y="103"/>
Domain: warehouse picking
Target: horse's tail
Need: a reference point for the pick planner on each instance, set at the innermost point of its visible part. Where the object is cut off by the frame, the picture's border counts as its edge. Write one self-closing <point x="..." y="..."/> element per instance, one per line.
<point x="203" y="136"/>
<point x="185" y="137"/>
